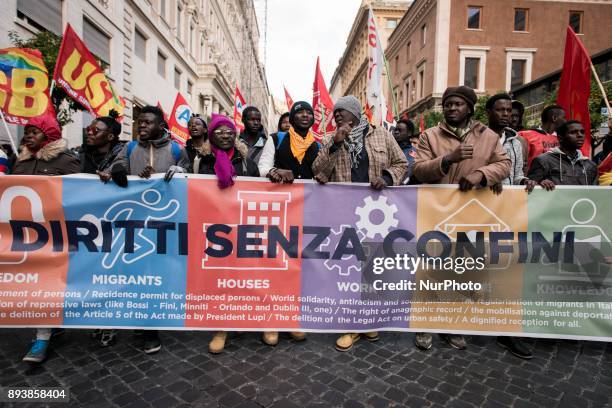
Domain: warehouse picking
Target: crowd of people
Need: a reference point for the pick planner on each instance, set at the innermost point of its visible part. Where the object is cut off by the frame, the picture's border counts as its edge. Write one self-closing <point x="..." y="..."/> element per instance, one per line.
<point x="459" y="150"/>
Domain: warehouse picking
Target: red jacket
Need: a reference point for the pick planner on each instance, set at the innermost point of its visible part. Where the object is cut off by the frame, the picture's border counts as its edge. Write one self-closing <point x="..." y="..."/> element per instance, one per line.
<point x="538" y="142"/>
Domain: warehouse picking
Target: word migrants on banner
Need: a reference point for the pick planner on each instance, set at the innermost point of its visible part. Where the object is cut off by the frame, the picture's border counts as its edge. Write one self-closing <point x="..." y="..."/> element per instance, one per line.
<point x="265" y="257"/>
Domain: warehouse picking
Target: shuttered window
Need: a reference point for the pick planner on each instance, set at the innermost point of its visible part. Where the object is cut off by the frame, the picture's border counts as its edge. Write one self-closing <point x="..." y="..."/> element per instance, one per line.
<point x="97" y="41"/>
<point x="45" y="13"/>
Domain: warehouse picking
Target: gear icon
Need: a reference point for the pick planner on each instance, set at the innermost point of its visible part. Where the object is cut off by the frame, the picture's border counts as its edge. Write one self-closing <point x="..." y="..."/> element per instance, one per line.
<point x="371" y="229"/>
<point x="347" y="264"/>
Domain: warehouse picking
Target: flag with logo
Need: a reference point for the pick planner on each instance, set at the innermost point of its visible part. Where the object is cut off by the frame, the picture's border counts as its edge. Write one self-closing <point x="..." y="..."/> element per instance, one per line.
<point x="80" y="75"/>
<point x="24" y="85"/>
<point x="288" y="99"/>
<point x="179" y="119"/>
<point x="575" y="85"/>
<point x="376" y="65"/>
<point x="323" y="107"/>
<point x="239" y="105"/>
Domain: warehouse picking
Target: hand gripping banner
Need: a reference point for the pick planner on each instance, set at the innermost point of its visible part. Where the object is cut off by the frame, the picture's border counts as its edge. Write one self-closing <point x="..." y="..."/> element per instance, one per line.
<point x="185" y="255"/>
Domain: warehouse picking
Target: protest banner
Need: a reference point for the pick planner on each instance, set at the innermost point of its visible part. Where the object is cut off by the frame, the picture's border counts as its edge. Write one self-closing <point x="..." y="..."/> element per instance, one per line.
<point x="179" y="120"/>
<point x="263" y="256"/>
<point x="80" y="75"/>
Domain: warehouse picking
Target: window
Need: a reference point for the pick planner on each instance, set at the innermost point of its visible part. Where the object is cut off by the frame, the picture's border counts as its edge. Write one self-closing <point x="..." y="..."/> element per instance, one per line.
<point x="162" y="8"/>
<point x="179" y="20"/>
<point x="177" y="78"/>
<point x="140" y="45"/>
<point x="191" y="38"/>
<point x="189" y="88"/>
<point x="423" y="35"/>
<point x="521" y="19"/>
<point x="472" y="67"/>
<point x="421" y="83"/>
<point x="397" y="64"/>
<point x="97" y="41"/>
<point x="473" y="14"/>
<point x="408" y="51"/>
<point x="517" y="77"/>
<point x="161" y="64"/>
<point x="391" y="23"/>
<point x="575" y="21"/>
<point x="42" y="14"/>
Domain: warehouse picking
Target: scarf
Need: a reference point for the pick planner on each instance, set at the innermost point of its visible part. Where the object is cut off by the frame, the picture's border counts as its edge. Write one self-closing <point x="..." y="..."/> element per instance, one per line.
<point x="354" y="141"/>
<point x="223" y="166"/>
<point x="299" y="144"/>
<point x="459" y="132"/>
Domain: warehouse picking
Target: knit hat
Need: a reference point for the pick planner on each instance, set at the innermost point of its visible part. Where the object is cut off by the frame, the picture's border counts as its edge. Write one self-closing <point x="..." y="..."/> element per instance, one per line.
<point x="48" y="125"/>
<point x="217" y="121"/>
<point x="298" y="106"/>
<point x="464" y="92"/>
<point x="349" y="103"/>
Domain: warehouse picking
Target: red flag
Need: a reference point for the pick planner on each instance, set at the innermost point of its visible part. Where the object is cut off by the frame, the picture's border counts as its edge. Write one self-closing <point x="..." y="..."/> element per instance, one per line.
<point x="575" y="85"/>
<point x="288" y="99"/>
<point x="78" y="72"/>
<point x="163" y="111"/>
<point x="179" y="119"/>
<point x="239" y="105"/>
<point x="323" y="107"/>
<point x="368" y="113"/>
<point x="422" y="123"/>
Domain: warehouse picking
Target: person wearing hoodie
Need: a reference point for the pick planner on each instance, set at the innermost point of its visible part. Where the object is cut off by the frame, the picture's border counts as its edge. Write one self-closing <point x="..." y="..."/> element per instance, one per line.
<point x="225" y="156"/>
<point x="565" y="165"/>
<point x="541" y="140"/>
<point x="154" y="152"/>
<point x="254" y="135"/>
<point x="461" y="151"/>
<point x="500" y="110"/>
<point x="198" y="132"/>
<point x="44" y="153"/>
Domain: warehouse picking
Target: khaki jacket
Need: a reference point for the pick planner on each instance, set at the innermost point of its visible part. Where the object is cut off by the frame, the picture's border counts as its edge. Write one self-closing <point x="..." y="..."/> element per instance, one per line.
<point x="436" y="142"/>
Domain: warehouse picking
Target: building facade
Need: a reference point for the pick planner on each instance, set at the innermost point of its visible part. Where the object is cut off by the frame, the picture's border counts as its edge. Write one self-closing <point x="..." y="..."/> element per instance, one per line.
<point x="491" y="46"/>
<point x="350" y="77"/>
<point x="156" y="48"/>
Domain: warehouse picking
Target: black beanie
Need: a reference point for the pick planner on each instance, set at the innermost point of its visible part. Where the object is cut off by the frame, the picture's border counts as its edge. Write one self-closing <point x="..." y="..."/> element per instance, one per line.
<point x="298" y="106"/>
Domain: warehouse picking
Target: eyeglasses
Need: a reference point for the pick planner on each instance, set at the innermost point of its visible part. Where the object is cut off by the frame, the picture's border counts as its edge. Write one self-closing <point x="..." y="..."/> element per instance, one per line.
<point x="224" y="133"/>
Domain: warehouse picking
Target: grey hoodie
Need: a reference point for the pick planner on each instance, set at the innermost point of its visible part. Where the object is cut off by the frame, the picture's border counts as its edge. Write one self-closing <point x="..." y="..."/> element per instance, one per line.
<point x="559" y="168"/>
<point x="157" y="153"/>
<point x="514" y="149"/>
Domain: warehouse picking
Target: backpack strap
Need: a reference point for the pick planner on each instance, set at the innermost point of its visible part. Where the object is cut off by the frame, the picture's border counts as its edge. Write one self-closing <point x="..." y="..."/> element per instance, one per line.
<point x="176" y="151"/>
<point x="280" y="136"/>
<point x="130" y="148"/>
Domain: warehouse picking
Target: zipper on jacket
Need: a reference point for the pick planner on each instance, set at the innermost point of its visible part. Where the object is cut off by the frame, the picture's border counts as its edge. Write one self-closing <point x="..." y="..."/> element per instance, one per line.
<point x="150" y="154"/>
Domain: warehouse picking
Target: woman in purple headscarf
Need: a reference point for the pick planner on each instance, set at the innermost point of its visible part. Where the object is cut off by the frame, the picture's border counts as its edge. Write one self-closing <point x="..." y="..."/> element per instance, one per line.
<point x="223" y="154"/>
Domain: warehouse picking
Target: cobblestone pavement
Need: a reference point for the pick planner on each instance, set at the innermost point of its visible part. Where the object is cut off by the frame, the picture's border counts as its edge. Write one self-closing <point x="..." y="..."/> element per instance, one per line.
<point x="388" y="373"/>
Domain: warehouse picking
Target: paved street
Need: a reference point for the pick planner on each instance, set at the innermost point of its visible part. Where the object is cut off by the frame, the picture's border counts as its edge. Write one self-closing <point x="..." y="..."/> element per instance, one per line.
<point x="388" y="373"/>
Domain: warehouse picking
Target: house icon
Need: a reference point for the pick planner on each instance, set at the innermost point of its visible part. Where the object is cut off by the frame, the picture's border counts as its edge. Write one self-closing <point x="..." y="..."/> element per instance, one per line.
<point x="463" y="220"/>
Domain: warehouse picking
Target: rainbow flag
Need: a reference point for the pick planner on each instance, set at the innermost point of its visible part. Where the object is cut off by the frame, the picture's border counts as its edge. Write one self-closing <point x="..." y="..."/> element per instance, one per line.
<point x="26" y="86"/>
<point x="23" y="58"/>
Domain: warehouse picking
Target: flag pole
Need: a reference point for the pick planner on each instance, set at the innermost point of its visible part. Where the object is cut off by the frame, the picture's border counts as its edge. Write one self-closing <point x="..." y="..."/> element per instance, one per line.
<point x="390" y="85"/>
<point x="8" y="133"/>
<point x="601" y="87"/>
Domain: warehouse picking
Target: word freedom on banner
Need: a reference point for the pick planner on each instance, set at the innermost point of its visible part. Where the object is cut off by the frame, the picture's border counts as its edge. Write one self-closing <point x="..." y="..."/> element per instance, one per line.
<point x="342" y="257"/>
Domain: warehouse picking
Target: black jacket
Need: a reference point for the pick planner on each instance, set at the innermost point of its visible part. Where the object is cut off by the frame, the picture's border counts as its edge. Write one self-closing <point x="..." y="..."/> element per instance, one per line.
<point x="92" y="162"/>
<point x="205" y="161"/>
<point x="284" y="158"/>
<point x="557" y="167"/>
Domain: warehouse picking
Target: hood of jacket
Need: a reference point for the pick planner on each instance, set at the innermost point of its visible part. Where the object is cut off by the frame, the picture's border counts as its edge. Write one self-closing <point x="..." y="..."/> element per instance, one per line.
<point x="48" y="152"/>
<point x="157" y="143"/>
<point x="558" y="151"/>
